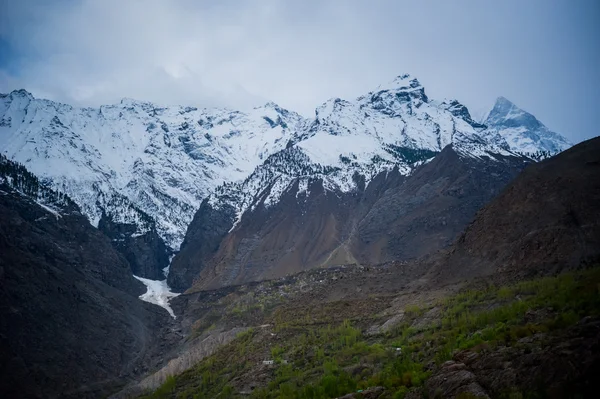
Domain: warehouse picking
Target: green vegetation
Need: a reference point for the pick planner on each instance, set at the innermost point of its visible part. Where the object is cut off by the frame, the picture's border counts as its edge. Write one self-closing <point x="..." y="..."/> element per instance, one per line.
<point x="498" y="315"/>
<point x="166" y="389"/>
<point x="313" y="360"/>
<point x="502" y="315"/>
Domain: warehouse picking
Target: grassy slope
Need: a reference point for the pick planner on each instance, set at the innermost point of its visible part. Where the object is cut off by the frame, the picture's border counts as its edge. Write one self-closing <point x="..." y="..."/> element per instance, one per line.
<point x="316" y="360"/>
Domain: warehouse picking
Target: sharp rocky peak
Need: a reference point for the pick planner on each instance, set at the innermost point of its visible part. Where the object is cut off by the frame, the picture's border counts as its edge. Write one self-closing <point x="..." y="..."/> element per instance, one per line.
<point x="273" y="106"/>
<point x="505" y="111"/>
<point x="129" y="101"/>
<point x="269" y="104"/>
<point x="459" y="110"/>
<point x="401" y="82"/>
<point x="20" y="93"/>
<point x="523" y="131"/>
<point x="402" y="89"/>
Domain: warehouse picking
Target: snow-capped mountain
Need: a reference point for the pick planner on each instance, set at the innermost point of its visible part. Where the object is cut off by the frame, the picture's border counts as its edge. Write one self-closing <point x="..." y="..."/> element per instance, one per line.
<point x="134" y="159"/>
<point x="523" y="132"/>
<point x="322" y="184"/>
<point x="151" y="166"/>
<point x="394" y="126"/>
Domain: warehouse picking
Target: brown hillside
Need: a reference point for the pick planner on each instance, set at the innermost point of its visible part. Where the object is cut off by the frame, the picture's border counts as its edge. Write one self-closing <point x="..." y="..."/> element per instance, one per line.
<point x="547" y="220"/>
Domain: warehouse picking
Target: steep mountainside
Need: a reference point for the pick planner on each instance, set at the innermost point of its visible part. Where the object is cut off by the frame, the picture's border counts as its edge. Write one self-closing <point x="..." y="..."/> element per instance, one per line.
<point x="547" y="220"/>
<point x="455" y="329"/>
<point x="18" y="178"/>
<point x="135" y="158"/>
<point x="71" y="324"/>
<point x="394" y="217"/>
<point x="307" y="200"/>
<point x="298" y="232"/>
<point x="139" y="171"/>
<point x="433" y="205"/>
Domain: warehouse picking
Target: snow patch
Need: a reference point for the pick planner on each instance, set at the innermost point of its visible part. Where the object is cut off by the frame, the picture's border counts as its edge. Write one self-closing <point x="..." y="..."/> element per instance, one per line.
<point x="158" y="293"/>
<point x="166" y="269"/>
<point x="52" y="211"/>
<point x="303" y="187"/>
<point x="238" y="218"/>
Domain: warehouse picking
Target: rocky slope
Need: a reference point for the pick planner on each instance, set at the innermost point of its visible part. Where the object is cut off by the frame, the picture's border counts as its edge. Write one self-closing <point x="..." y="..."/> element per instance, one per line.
<point x="547" y="220"/>
<point x="71" y="324"/>
<point x="395" y="217"/>
<point x="334" y="332"/>
<point x="433" y="205"/>
<point x="147" y="254"/>
<point x="304" y="206"/>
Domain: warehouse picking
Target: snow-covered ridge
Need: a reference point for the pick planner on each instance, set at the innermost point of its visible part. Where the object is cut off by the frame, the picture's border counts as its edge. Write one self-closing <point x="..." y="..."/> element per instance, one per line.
<point x="136" y="158"/>
<point x="395" y="126"/>
<point x="522" y="131"/>
<point x="141" y="163"/>
<point x="18" y="178"/>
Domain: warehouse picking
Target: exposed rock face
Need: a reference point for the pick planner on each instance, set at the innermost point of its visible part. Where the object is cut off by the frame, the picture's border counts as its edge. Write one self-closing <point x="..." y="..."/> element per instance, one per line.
<point x="432" y="207"/>
<point x="299" y="232"/>
<point x="547" y="220"/>
<point x="71" y="324"/>
<point x="147" y="253"/>
<point x="202" y="240"/>
<point x="454" y="379"/>
<point x="393" y="217"/>
<point x="459" y="110"/>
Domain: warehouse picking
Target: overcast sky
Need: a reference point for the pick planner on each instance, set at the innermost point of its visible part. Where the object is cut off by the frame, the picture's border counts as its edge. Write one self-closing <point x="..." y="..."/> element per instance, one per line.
<point x="543" y="55"/>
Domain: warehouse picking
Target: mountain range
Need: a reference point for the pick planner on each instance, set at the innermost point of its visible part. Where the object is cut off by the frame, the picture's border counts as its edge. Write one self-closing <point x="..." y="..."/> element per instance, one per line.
<point x="140" y="171"/>
<point x="391" y="244"/>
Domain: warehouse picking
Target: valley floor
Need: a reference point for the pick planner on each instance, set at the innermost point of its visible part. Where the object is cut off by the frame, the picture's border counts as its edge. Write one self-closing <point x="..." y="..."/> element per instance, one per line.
<point x="309" y="337"/>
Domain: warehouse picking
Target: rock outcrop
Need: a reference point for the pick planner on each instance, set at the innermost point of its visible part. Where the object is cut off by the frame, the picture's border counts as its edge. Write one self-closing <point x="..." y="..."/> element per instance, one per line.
<point x="563" y="366"/>
<point x="432" y="207"/>
<point x="146" y="253"/>
<point x="202" y="240"/>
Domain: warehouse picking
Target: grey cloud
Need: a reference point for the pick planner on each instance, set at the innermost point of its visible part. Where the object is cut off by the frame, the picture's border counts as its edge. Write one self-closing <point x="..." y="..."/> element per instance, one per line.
<point x="543" y="55"/>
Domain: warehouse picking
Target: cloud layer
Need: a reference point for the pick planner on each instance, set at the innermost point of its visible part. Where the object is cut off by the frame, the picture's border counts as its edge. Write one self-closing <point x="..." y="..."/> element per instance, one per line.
<point x="542" y="56"/>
